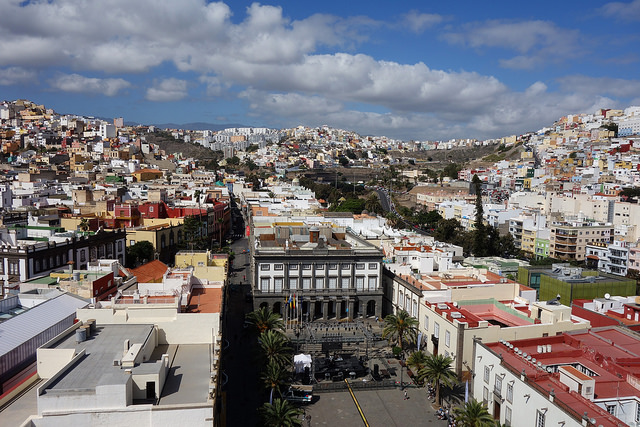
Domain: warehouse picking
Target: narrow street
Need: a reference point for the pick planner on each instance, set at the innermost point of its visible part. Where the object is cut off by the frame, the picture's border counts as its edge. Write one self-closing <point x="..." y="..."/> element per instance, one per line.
<point x="242" y="392"/>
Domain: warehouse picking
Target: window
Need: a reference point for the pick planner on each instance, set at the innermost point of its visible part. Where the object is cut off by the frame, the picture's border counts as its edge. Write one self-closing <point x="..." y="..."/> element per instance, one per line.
<point x="200" y="263"/>
<point x="436" y="330"/>
<point x="611" y="409"/>
<point x="447" y="338"/>
<point x="293" y="283"/>
<point x="306" y="266"/>
<point x="150" y="208"/>
<point x="319" y="266"/>
<point x="333" y="282"/>
<point x="132" y="242"/>
<point x="264" y="284"/>
<point x="14" y="267"/>
<point x="400" y="299"/>
<point x="346" y="282"/>
<point x="306" y="283"/>
<point x="278" y="284"/>
<point x="638" y="412"/>
<point x="507" y="416"/>
<point x="373" y="283"/>
<point x="498" y="386"/>
<point x="510" y="392"/>
<point x="426" y="323"/>
<point x="345" y="266"/>
<point x="360" y="266"/>
<point x="265" y="267"/>
<point x="360" y="283"/>
<point x="319" y="283"/>
<point x="278" y="267"/>
<point x="487" y="373"/>
<point x="485" y="396"/>
<point x="293" y="267"/>
<point x="333" y="266"/>
<point x="373" y="266"/>
<point x="539" y="419"/>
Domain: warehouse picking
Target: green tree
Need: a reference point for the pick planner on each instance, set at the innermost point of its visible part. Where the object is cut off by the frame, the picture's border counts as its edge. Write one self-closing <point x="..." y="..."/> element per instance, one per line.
<point x="438" y="371"/>
<point x="473" y="414"/>
<point x="275" y="377"/>
<point x="263" y="319"/>
<point x="372" y="204"/>
<point x="274" y="346"/>
<point x="479" y="234"/>
<point x="280" y="413"/>
<point x="417" y="360"/>
<point x="400" y="326"/>
<point x="139" y="253"/>
<point x="233" y="161"/>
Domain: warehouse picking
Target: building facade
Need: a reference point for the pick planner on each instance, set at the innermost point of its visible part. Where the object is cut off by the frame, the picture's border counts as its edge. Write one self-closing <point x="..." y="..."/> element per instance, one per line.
<point x="309" y="273"/>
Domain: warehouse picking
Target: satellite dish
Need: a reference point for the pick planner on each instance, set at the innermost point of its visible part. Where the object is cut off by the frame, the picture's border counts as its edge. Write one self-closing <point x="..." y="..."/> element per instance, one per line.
<point x="607" y="296"/>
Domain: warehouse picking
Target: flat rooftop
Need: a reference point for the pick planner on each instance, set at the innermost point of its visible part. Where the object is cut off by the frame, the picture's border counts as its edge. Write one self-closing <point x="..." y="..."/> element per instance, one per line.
<point x="101" y="349"/>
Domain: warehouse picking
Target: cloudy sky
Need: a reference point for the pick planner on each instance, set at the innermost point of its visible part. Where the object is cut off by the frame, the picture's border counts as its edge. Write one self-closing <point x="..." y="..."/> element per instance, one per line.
<point x="409" y="70"/>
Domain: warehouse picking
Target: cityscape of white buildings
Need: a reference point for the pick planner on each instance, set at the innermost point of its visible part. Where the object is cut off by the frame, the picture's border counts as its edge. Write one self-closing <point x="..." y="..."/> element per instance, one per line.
<point x="77" y="191"/>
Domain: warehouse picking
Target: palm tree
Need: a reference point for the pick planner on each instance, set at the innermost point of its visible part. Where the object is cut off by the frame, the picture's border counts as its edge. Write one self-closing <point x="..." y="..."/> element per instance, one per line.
<point x="417" y="360"/>
<point x="275" y="377"/>
<point x="473" y="414"/>
<point x="438" y="371"/>
<point x="400" y="325"/>
<point x="275" y="347"/>
<point x="280" y="413"/>
<point x="264" y="319"/>
<point x="84" y="224"/>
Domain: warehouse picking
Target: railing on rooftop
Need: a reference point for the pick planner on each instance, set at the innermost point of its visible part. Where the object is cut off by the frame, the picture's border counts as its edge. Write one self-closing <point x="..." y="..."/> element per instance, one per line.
<point x="499" y="306"/>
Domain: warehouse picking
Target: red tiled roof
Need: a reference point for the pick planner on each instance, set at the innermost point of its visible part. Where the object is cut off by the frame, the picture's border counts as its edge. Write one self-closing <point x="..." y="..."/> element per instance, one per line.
<point x="150" y="272"/>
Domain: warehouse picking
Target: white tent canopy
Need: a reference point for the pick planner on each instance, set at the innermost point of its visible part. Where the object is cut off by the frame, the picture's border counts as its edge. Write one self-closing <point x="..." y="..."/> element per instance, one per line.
<point x="301" y="361"/>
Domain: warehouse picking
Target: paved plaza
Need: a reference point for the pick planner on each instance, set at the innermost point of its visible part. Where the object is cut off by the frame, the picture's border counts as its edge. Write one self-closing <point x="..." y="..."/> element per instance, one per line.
<point x="383" y="408"/>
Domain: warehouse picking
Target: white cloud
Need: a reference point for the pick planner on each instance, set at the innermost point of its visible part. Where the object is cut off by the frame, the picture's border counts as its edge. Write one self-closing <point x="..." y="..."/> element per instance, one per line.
<point x="621" y="88"/>
<point x="80" y="84"/>
<point x="16" y="75"/>
<point x="215" y="87"/>
<point x="622" y="11"/>
<point x="167" y="90"/>
<point x="418" y="22"/>
<point x="537" y="42"/>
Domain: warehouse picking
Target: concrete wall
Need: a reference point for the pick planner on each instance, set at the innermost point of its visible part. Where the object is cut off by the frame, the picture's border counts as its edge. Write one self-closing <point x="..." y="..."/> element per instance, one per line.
<point x="52" y="360"/>
<point x="139" y="416"/>
<point x="105" y="397"/>
<point x="173" y="328"/>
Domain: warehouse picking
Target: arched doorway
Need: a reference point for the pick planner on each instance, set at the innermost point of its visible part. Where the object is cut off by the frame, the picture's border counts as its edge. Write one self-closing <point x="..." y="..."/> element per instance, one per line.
<point x="356" y="309"/>
<point x="277" y="308"/>
<point x="305" y="310"/>
<point x="371" y="308"/>
<point x="264" y="305"/>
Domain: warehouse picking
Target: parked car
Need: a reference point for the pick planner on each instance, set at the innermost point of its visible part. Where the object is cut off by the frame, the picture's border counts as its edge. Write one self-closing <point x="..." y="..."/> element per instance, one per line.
<point x="299" y="393"/>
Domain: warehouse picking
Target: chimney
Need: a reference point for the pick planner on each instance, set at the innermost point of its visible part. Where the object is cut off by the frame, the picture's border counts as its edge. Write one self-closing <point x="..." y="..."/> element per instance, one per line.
<point x="126" y="345"/>
<point x="314" y="234"/>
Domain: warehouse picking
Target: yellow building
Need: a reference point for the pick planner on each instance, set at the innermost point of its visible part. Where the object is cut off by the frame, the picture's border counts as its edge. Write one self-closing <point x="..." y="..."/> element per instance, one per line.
<point x="165" y="239"/>
<point x="206" y="266"/>
<point x="147" y="174"/>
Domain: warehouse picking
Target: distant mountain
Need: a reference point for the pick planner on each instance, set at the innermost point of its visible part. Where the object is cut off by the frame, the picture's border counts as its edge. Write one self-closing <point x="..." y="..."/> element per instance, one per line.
<point x="193" y="126"/>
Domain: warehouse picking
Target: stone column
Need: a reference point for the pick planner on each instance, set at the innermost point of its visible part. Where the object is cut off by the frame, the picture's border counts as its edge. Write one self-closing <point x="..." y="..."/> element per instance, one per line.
<point x="325" y="310"/>
<point x="351" y="314"/>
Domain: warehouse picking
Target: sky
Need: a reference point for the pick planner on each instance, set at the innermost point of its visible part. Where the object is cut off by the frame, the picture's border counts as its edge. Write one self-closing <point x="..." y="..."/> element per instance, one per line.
<point x="405" y="69"/>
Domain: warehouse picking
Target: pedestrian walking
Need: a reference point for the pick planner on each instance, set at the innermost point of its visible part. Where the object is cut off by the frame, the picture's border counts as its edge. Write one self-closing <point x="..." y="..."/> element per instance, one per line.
<point x="405" y="395"/>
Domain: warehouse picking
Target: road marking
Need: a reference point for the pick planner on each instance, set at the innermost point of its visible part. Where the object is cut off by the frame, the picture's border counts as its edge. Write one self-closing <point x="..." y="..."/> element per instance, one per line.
<point x="353" y="396"/>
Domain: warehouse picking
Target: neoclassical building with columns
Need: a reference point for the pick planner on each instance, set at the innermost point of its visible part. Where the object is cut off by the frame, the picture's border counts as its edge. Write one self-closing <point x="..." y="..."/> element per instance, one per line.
<point x="309" y="272"/>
